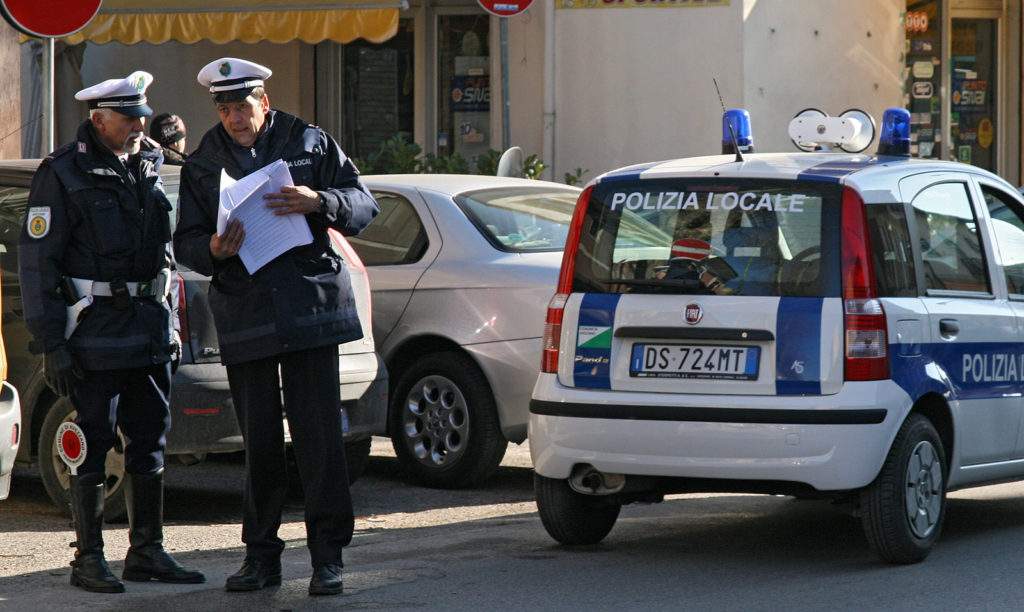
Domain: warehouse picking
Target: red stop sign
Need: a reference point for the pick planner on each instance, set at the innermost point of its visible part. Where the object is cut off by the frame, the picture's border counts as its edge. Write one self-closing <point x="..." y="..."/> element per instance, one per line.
<point x="505" y="8"/>
<point x="49" y="18"/>
<point x="71" y="444"/>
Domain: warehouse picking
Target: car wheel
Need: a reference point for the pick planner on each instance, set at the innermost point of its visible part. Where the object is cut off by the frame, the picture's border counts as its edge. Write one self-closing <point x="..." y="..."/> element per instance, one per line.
<point x="570" y="517"/>
<point x="57" y="476"/>
<point x="357" y="455"/>
<point x="903" y="509"/>
<point x="444" y="424"/>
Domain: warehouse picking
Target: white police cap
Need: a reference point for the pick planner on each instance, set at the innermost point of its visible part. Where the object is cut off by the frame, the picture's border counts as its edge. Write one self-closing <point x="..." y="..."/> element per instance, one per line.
<point x="126" y="96"/>
<point x="232" y="78"/>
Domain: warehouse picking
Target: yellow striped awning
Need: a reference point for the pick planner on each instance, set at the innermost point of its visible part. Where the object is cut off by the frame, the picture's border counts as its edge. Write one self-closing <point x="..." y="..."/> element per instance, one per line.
<point x="248" y="21"/>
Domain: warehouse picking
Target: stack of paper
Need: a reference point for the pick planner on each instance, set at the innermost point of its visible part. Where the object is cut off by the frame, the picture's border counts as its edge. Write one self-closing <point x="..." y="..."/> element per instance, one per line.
<point x="266" y="235"/>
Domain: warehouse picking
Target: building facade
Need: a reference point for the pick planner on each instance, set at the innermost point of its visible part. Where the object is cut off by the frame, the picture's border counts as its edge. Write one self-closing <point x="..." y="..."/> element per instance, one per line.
<point x="594" y="87"/>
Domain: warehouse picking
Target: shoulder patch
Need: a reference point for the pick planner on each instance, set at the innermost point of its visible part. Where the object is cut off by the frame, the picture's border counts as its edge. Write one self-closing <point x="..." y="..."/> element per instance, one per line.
<point x="38" y="223"/>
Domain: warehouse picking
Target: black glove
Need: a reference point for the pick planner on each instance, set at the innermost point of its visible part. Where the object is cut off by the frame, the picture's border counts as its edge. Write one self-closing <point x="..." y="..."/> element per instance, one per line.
<point x="61" y="371"/>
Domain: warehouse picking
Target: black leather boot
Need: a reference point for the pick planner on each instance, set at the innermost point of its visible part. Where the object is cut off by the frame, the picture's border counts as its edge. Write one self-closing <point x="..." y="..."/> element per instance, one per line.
<point x="147" y="559"/>
<point x="89" y="570"/>
<point x="326" y="580"/>
<point x="254" y="575"/>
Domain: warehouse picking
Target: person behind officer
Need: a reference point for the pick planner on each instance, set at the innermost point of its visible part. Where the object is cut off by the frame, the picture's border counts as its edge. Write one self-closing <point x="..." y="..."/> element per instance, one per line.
<point x="94" y="269"/>
<point x="290" y="315"/>
<point x="167" y="136"/>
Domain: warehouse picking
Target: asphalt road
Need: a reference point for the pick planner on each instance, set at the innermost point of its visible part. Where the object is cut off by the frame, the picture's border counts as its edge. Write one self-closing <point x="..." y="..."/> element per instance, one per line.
<point x="486" y="549"/>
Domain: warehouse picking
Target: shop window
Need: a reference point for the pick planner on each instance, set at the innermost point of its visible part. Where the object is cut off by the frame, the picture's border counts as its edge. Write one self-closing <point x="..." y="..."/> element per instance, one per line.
<point x="464" y="86"/>
<point x="923" y="76"/>
<point x="972" y="120"/>
<point x="365" y="91"/>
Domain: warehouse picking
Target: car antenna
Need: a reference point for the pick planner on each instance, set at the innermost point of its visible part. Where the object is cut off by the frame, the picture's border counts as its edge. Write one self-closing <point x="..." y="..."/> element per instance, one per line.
<point x="732" y="130"/>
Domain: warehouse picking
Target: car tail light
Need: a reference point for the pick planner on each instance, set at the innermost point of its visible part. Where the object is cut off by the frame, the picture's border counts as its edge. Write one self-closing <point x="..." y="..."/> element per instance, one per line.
<point x="15" y="435"/>
<point x="183" y="330"/>
<point x="553" y="333"/>
<point x="556" y="307"/>
<point x="867" y="346"/>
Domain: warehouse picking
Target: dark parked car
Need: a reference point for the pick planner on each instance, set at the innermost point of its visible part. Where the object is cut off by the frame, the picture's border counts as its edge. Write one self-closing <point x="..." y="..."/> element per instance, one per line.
<point x="202" y="416"/>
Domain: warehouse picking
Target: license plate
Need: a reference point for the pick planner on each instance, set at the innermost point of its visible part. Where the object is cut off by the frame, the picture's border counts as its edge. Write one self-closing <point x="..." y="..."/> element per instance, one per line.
<point x="694" y="361"/>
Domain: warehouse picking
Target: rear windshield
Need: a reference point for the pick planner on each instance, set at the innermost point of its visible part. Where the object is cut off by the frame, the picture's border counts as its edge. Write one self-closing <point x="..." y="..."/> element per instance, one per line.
<point x="521" y="219"/>
<point x="711" y="237"/>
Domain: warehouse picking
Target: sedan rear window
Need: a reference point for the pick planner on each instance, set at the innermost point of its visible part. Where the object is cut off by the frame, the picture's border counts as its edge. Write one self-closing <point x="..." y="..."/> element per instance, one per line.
<point x="711" y="237"/>
<point x="521" y="219"/>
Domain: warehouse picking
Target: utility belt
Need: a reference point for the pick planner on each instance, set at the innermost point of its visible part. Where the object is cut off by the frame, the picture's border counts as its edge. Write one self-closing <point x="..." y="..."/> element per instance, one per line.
<point x="80" y="294"/>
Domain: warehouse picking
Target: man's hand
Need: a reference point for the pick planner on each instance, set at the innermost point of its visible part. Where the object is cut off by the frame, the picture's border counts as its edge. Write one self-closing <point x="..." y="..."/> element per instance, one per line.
<point x="61" y="371"/>
<point x="298" y="200"/>
<point x="222" y="247"/>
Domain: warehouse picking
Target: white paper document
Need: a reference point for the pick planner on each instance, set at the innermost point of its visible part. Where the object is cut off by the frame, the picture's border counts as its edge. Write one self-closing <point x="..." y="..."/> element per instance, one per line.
<point x="266" y="235"/>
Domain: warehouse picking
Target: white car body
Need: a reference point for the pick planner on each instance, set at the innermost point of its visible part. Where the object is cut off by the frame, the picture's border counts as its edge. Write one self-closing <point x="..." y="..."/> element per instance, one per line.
<point x="10" y="434"/>
<point x="834" y="439"/>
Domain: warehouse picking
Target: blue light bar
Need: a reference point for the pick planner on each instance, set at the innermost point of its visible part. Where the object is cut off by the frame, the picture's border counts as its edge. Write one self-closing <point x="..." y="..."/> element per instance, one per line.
<point x="895" y="134"/>
<point x="739" y="119"/>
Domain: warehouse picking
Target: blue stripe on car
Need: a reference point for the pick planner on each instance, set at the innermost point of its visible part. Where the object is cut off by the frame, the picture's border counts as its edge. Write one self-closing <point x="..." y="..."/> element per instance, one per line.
<point x="834" y="171"/>
<point x="628" y="174"/>
<point x="592" y="366"/>
<point x="995" y="369"/>
<point x="798" y="346"/>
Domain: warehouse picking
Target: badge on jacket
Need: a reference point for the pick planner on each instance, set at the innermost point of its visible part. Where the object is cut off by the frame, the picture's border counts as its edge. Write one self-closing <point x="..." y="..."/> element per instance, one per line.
<point x="38" y="221"/>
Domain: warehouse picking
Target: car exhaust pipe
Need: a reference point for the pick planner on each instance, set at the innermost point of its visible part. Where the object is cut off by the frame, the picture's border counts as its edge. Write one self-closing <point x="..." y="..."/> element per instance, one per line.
<point x="588" y="480"/>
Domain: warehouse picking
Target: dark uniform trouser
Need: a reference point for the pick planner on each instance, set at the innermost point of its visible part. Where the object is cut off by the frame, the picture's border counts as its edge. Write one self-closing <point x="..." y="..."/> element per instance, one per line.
<point x="312" y="400"/>
<point x="136" y="401"/>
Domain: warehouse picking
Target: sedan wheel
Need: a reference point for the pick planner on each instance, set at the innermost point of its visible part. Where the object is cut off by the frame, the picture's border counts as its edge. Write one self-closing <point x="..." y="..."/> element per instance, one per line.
<point x="444" y="424"/>
<point x="436" y="421"/>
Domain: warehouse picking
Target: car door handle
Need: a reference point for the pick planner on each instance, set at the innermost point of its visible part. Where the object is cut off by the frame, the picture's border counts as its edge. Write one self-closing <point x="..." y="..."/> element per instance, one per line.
<point x="949" y="328"/>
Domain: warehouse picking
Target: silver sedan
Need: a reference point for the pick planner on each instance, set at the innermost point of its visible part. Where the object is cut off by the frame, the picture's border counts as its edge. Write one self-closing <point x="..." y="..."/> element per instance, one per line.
<point x="461" y="269"/>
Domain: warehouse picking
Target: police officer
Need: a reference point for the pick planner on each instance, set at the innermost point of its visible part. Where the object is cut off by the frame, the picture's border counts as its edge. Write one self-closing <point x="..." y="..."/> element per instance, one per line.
<point x="287" y="316"/>
<point x="167" y="136"/>
<point x="94" y="268"/>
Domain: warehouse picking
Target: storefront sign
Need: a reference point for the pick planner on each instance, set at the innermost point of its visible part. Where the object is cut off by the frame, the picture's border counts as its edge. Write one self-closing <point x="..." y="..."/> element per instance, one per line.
<point x="596" y="4"/>
<point x="923" y="89"/>
<point x="923" y="70"/>
<point x="969" y="93"/>
<point x="917" y="22"/>
<point x="505" y="9"/>
<point x="471" y="94"/>
<point x="986" y="133"/>
<point x="921" y="46"/>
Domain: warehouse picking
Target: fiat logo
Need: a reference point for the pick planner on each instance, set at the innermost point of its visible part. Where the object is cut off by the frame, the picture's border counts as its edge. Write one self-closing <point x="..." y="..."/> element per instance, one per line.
<point x="694" y="313"/>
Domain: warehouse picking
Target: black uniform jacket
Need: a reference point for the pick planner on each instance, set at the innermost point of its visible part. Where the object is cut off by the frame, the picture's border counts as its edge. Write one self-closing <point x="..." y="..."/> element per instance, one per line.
<point x="107" y="222"/>
<point x="303" y="298"/>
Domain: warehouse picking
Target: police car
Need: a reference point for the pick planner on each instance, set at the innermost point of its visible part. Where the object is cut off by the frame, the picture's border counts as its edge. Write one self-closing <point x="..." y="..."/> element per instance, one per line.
<point x="820" y="324"/>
